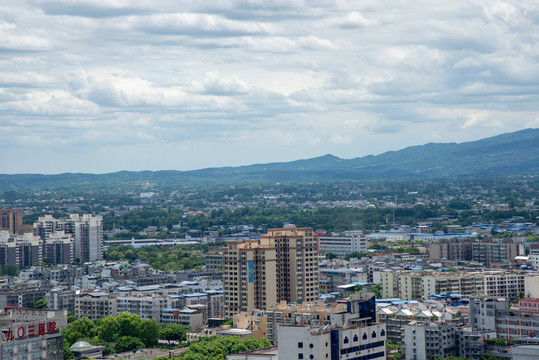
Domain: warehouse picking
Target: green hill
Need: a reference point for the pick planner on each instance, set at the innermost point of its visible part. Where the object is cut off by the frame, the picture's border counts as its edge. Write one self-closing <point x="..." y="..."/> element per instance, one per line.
<point x="507" y="154"/>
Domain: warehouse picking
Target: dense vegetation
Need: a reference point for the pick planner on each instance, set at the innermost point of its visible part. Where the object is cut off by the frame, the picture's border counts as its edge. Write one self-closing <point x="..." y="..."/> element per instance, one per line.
<point x="332" y="219"/>
<point x="127" y="332"/>
<point x="166" y="258"/>
<point x="9" y="270"/>
<point x="218" y="348"/>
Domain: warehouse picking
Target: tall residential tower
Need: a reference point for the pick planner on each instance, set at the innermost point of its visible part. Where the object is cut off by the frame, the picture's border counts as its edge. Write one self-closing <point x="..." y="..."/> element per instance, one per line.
<point x="283" y="265"/>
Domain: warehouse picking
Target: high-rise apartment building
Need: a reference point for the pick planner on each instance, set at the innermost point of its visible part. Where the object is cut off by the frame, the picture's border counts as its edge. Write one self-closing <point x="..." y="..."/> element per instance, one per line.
<point x="19" y="250"/>
<point x="86" y="230"/>
<point x="283" y="265"/>
<point x="11" y="220"/>
<point x="59" y="249"/>
<point x="88" y="237"/>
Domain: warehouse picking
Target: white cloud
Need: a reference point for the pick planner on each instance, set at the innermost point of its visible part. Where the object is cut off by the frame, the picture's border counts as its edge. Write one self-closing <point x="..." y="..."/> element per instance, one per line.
<point x="353" y="20"/>
<point x="51" y="103"/>
<point x="314" y="77"/>
<point x="13" y="37"/>
<point x="314" y="43"/>
<point x="27" y="78"/>
<point x="216" y="84"/>
<point x="185" y="23"/>
<point x="340" y="139"/>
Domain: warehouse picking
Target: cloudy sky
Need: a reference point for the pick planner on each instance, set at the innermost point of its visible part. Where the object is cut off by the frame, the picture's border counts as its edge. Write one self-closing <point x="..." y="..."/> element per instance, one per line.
<point x="107" y="85"/>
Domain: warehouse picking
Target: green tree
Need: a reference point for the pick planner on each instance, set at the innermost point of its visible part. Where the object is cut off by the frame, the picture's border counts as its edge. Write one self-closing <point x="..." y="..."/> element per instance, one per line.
<point x="219" y="348"/>
<point x="68" y="354"/>
<point x="71" y="316"/>
<point x="174" y="332"/>
<point x="148" y="332"/>
<point x="109" y="329"/>
<point x="377" y="290"/>
<point x="490" y="357"/>
<point x="128" y="324"/>
<point x="331" y="256"/>
<point x="41" y="304"/>
<point x="128" y="343"/>
<point x="357" y="255"/>
<point x="79" y="329"/>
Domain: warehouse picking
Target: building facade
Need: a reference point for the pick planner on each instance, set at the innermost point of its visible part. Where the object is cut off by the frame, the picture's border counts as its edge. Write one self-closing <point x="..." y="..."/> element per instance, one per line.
<point x="352" y="334"/>
<point x="428" y="341"/>
<point x="32" y="334"/>
<point x="486" y="251"/>
<point x="342" y="244"/>
<point x="19" y="250"/>
<point x="11" y="221"/>
<point x="413" y="285"/>
<point x="87" y="233"/>
<point x="283" y="265"/>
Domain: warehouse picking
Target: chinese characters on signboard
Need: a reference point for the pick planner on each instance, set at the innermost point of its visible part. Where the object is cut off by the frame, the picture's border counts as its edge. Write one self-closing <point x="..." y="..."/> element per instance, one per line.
<point x="27" y="331"/>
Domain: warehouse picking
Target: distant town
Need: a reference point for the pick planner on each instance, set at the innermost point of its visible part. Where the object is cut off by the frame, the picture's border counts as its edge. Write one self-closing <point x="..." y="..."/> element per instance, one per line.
<point x="412" y="270"/>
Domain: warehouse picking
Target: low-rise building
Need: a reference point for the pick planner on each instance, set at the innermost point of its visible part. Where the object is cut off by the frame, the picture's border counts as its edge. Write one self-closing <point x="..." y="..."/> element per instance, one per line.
<point x="413" y="284"/>
<point x="147" y="307"/>
<point x="95" y="305"/>
<point x="342" y="244"/>
<point x="428" y="341"/>
<point x="471" y="343"/>
<point x="186" y="316"/>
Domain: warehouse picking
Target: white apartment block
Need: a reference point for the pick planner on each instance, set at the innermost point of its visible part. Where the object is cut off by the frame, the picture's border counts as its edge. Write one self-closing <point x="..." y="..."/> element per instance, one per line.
<point x="342" y="244"/>
<point x="95" y="306"/>
<point x="87" y="231"/>
<point x="414" y="285"/>
<point x="186" y="316"/>
<point x="428" y="341"/>
<point x="147" y="307"/>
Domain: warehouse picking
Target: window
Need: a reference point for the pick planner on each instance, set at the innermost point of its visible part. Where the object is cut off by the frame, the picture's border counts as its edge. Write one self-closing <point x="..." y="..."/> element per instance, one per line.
<point x="300" y="356"/>
<point x="300" y="345"/>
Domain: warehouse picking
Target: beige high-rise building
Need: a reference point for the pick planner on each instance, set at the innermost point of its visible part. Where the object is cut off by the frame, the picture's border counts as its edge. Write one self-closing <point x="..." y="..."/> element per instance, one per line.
<point x="283" y="265"/>
<point x="11" y="220"/>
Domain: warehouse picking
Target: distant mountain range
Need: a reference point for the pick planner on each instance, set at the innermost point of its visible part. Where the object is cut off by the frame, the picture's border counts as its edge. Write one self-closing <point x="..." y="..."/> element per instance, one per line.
<point x="514" y="153"/>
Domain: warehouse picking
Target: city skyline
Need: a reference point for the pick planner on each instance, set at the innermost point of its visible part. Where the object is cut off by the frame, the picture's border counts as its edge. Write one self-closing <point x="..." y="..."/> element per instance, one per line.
<point x="104" y="86"/>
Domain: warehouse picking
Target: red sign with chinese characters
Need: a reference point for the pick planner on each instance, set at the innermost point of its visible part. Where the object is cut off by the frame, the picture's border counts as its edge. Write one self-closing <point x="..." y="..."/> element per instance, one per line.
<point x="28" y="331"/>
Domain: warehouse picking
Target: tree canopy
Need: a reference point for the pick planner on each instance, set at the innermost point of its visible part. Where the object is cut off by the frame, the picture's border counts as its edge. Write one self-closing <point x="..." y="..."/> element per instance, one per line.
<point x="127" y="331"/>
<point x="218" y="348"/>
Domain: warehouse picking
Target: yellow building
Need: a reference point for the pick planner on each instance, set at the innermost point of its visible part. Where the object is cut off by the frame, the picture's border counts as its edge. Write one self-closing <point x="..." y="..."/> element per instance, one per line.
<point x="283" y="265"/>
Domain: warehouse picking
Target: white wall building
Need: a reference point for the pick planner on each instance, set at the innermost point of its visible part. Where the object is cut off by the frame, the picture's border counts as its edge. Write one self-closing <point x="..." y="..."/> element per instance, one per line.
<point x="351" y="335"/>
<point x="342" y="244"/>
